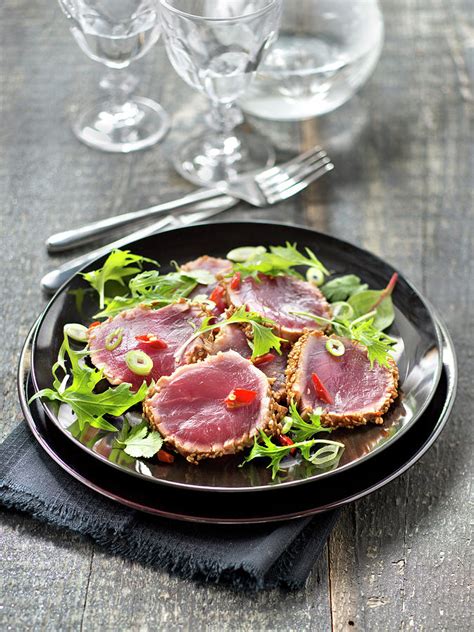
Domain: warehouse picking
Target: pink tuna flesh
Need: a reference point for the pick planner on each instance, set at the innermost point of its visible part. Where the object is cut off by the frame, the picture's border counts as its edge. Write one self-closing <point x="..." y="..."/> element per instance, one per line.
<point x="278" y="298"/>
<point x="172" y="324"/>
<point x="189" y="406"/>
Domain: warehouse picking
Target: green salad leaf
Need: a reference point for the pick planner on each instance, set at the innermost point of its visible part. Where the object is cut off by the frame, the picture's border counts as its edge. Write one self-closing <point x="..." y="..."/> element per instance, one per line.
<point x="302" y="430"/>
<point x="139" y="441"/>
<point x="341" y="288"/>
<point x="76" y="388"/>
<point x="280" y="260"/>
<point x="119" y="266"/>
<point x="379" y="345"/>
<point x="326" y="456"/>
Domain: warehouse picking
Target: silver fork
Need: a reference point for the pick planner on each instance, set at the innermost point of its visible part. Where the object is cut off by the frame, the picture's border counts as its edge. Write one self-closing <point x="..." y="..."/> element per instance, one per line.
<point x="283" y="182"/>
<point x="265" y="188"/>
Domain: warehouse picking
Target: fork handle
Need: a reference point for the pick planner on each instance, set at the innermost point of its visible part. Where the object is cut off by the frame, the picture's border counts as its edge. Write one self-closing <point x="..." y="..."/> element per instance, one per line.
<point x="69" y="239"/>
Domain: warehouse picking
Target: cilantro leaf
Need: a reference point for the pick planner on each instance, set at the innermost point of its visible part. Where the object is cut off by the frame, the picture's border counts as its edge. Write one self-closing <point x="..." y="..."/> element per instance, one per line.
<point x="326" y="456"/>
<point x="280" y="260"/>
<point x="139" y="441"/>
<point x="341" y="288"/>
<point x="302" y="430"/>
<point x="76" y="388"/>
<point x="117" y="267"/>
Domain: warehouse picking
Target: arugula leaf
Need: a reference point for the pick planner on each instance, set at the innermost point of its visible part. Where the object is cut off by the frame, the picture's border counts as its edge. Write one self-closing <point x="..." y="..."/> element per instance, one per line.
<point x="326" y="456"/>
<point x="117" y="267"/>
<point x="89" y="407"/>
<point x="152" y="288"/>
<point x="264" y="340"/>
<point x="342" y="288"/>
<point x="139" y="441"/>
<point x="280" y="260"/>
<point x="302" y="430"/>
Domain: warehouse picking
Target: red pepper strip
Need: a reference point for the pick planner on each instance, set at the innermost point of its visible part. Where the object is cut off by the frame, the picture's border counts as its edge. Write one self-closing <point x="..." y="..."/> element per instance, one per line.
<point x="239" y="397"/>
<point x="264" y="359"/>
<point x="96" y="323"/>
<point x="152" y="341"/>
<point x="321" y="390"/>
<point x="165" y="457"/>
<point x="218" y="297"/>
<point x="285" y="440"/>
<point x="235" y="281"/>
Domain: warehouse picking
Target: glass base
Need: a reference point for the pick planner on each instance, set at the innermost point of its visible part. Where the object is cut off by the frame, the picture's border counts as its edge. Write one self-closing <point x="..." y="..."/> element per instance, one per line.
<point x="203" y="162"/>
<point x="137" y="124"/>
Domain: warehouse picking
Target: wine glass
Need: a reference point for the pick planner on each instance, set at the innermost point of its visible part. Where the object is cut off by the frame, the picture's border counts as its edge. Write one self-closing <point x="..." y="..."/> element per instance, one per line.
<point x="216" y="47"/>
<point x="116" y="32"/>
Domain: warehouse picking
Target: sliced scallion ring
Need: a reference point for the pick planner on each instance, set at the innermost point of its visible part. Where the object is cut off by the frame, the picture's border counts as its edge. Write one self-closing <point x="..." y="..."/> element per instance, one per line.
<point x="138" y="362"/>
<point x="341" y="309"/>
<point x="287" y="423"/>
<point x="315" y="276"/>
<point x="244" y="253"/>
<point x="114" y="339"/>
<point x="76" y="331"/>
<point x="335" y="347"/>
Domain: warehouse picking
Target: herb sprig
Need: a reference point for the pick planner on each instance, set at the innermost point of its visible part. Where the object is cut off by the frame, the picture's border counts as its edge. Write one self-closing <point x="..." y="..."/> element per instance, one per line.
<point x="300" y="429"/>
<point x="326" y="456"/>
<point x="138" y="441"/>
<point x="76" y="388"/>
<point x="119" y="266"/>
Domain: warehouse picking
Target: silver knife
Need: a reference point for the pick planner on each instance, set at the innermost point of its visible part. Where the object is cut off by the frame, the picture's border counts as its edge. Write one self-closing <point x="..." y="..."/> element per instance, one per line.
<point x="52" y="281"/>
<point x="68" y="239"/>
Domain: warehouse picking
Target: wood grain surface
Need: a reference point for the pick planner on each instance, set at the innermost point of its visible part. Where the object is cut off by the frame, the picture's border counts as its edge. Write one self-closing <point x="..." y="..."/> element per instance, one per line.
<point x="403" y="148"/>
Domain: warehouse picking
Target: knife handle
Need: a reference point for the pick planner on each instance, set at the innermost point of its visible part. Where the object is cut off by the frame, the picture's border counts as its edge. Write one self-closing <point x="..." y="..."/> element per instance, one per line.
<point x="69" y="239"/>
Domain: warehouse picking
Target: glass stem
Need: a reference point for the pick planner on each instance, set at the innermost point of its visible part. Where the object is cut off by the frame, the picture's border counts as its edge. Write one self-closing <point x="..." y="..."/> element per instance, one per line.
<point x="222" y="119"/>
<point x="119" y="85"/>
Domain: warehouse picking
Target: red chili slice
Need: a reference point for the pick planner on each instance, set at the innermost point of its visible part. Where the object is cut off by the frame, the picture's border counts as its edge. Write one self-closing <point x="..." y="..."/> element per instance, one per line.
<point x="152" y="341"/>
<point x="321" y="390"/>
<point x="264" y="359"/>
<point x="235" y="281"/>
<point x="165" y="457"/>
<point x="239" y="397"/>
<point x="218" y="297"/>
<point x="96" y="323"/>
<point x="285" y="440"/>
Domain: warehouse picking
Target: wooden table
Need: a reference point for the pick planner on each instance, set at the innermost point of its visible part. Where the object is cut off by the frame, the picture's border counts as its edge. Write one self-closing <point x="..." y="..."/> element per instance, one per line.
<point x="403" y="149"/>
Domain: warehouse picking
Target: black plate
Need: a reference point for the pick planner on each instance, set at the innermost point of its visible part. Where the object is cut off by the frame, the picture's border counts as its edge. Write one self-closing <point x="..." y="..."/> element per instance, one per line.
<point x="272" y="505"/>
<point x="419" y="354"/>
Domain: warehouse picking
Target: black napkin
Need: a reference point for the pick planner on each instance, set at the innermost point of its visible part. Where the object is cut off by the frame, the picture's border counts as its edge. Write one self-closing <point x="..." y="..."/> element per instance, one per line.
<point x="244" y="557"/>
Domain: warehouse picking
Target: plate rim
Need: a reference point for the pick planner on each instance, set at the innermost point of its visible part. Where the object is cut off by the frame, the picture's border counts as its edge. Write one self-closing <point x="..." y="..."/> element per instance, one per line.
<point x="442" y="419"/>
<point x="258" y="488"/>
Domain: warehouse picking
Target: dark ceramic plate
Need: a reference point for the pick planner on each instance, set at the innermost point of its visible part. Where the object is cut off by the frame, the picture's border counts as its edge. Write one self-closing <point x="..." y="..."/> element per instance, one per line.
<point x="418" y="355"/>
<point x="239" y="508"/>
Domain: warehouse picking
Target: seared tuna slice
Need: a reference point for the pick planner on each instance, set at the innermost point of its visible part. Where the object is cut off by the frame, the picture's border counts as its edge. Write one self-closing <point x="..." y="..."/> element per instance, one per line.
<point x="349" y="391"/>
<point x="234" y="337"/>
<point x="171" y="326"/>
<point x="278" y="298"/>
<point x="213" y="407"/>
<point x="217" y="267"/>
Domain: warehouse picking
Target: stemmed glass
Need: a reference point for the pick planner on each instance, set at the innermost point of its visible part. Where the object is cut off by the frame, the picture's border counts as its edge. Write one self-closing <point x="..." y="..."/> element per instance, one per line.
<point x="116" y="32"/>
<point x="216" y="46"/>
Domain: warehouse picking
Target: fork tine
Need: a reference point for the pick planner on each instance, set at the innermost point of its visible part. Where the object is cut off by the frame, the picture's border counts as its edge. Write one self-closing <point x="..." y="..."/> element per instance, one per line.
<point x="285" y="172"/>
<point x="295" y="160"/>
<point x="297" y="172"/>
<point x="300" y="184"/>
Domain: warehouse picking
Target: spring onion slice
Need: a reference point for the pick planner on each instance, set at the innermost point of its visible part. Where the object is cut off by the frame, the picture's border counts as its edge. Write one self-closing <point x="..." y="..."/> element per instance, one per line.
<point x="335" y="347"/>
<point x="114" y="339"/>
<point x="244" y="253"/>
<point x="76" y="332"/>
<point x="315" y="276"/>
<point x="342" y="310"/>
<point x="138" y="362"/>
